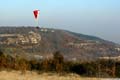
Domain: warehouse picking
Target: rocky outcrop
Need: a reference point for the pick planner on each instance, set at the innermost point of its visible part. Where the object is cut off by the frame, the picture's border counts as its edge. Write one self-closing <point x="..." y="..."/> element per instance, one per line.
<point x="29" y="38"/>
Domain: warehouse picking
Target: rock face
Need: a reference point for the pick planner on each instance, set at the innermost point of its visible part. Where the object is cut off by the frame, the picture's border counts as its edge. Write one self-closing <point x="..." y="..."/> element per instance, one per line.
<point x="20" y="39"/>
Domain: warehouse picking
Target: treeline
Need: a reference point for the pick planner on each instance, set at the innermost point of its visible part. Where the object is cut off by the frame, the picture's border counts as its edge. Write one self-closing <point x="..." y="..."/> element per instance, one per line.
<point x="15" y="29"/>
<point x="100" y="68"/>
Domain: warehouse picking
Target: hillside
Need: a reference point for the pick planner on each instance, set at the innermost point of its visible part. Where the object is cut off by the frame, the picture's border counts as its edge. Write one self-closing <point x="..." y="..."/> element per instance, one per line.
<point x="40" y="43"/>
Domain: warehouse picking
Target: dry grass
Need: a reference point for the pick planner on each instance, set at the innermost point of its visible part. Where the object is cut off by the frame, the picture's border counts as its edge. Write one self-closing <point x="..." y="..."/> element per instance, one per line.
<point x="16" y="75"/>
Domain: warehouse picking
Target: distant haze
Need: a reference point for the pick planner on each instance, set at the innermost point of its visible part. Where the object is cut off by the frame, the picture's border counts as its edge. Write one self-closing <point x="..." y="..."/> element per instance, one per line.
<point x="93" y="17"/>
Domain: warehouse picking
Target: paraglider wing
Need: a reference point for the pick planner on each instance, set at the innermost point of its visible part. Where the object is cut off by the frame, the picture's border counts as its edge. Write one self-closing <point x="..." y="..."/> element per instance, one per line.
<point x="36" y="13"/>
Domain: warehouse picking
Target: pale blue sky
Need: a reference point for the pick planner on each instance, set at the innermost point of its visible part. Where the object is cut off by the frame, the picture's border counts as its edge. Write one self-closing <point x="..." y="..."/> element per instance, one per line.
<point x="93" y="17"/>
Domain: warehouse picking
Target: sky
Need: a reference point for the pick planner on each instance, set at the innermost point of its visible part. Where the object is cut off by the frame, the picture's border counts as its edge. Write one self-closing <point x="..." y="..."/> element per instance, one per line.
<point x="99" y="18"/>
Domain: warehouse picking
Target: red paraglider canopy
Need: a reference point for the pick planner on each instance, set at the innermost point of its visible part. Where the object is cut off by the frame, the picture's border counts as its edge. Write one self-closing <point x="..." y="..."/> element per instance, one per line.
<point x="36" y="13"/>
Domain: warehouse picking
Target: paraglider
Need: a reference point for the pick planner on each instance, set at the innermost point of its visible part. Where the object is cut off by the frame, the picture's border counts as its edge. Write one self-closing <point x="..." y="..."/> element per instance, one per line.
<point x="36" y="15"/>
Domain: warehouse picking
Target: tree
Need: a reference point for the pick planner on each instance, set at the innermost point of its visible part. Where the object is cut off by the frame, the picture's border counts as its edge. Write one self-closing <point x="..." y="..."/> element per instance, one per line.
<point x="58" y="61"/>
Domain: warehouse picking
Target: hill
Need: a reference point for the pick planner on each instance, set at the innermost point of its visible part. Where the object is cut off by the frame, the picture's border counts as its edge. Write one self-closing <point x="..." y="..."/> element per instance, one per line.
<point x="41" y="43"/>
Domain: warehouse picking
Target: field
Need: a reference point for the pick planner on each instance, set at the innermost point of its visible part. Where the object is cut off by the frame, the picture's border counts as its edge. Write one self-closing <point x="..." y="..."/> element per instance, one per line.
<point x="16" y="75"/>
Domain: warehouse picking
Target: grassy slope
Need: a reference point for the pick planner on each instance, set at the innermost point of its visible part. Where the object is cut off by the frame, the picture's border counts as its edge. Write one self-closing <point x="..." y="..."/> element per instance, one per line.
<point x="16" y="75"/>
